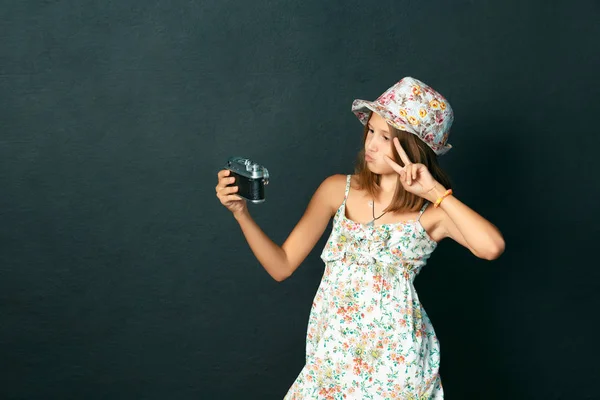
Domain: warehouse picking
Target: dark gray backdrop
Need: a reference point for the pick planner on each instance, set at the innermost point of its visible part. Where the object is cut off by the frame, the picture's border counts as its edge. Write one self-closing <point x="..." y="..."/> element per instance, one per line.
<point x="121" y="276"/>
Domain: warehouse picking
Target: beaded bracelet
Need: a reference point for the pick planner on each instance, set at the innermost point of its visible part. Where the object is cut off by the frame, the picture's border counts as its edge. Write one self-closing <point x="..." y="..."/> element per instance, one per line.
<point x="439" y="201"/>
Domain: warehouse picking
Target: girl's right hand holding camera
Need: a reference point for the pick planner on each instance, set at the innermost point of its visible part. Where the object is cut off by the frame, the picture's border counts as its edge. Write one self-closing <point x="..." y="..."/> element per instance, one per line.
<point x="226" y="194"/>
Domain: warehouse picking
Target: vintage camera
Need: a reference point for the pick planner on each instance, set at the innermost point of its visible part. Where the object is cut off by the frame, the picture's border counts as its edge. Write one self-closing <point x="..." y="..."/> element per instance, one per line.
<point x="250" y="177"/>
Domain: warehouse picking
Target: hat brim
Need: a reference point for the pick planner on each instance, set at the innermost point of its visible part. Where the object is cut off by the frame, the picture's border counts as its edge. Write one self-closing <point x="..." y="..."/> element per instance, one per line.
<point x="363" y="108"/>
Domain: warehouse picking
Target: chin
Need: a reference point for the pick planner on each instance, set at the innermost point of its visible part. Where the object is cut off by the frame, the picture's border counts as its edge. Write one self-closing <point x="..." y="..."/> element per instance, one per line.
<point x="378" y="169"/>
<point x="372" y="168"/>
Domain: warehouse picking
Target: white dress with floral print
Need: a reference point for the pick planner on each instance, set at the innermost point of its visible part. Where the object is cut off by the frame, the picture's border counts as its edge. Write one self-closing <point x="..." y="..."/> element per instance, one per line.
<point x="368" y="335"/>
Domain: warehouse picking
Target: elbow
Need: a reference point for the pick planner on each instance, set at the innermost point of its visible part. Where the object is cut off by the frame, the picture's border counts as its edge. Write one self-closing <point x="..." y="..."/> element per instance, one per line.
<point x="280" y="270"/>
<point x="280" y="276"/>
<point x="494" y="251"/>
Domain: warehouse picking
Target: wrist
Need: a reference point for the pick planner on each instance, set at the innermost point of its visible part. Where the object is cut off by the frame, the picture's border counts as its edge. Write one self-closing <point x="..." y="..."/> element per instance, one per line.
<point x="435" y="192"/>
<point x="240" y="215"/>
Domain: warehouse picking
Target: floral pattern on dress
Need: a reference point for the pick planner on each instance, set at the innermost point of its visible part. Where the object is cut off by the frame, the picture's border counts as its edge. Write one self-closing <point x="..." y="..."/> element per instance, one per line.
<point x="368" y="336"/>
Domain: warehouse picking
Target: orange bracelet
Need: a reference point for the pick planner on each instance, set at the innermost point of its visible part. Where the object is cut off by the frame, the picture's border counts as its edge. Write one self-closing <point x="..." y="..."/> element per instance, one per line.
<point x="439" y="201"/>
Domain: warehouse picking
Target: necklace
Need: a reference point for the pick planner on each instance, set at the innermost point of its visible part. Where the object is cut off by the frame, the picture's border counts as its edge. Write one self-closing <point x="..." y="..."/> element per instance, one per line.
<point x="372" y="222"/>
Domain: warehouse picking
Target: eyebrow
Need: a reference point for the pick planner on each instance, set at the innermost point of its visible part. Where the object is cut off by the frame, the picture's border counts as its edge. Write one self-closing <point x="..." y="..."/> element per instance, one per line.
<point x="382" y="130"/>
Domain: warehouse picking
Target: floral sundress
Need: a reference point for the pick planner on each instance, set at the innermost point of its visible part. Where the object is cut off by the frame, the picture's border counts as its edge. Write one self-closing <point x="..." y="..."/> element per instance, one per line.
<point x="368" y="336"/>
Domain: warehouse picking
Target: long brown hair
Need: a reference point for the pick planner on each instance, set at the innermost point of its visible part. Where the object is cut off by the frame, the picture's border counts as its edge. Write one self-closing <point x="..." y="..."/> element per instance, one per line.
<point x="418" y="152"/>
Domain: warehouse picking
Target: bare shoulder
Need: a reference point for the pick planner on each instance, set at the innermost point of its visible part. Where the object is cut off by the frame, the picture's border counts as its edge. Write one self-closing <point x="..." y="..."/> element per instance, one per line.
<point x="322" y="206"/>
<point x="331" y="191"/>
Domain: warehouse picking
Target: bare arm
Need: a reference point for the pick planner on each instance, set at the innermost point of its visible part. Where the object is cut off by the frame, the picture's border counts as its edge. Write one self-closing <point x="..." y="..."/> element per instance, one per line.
<point x="458" y="221"/>
<point x="281" y="262"/>
<point x="467" y="227"/>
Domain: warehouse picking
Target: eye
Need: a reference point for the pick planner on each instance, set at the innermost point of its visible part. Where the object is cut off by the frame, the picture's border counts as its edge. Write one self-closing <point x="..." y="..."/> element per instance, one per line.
<point x="386" y="138"/>
<point x="370" y="130"/>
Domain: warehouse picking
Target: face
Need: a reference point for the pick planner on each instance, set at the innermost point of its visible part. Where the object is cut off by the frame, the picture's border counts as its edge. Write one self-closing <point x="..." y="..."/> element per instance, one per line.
<point x="378" y="144"/>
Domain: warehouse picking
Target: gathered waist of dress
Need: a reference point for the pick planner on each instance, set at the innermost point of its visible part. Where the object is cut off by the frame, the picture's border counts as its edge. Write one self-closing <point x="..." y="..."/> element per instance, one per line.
<point x="377" y="263"/>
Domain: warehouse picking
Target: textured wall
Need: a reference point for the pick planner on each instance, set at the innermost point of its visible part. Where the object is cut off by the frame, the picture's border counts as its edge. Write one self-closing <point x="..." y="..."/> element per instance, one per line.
<point x="121" y="276"/>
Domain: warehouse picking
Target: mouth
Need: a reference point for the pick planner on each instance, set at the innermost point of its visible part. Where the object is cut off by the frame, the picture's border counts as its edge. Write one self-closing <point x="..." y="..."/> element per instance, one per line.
<point x="368" y="158"/>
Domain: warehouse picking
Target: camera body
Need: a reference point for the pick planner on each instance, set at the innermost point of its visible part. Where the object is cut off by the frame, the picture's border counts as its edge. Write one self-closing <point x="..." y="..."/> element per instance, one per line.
<point x="250" y="177"/>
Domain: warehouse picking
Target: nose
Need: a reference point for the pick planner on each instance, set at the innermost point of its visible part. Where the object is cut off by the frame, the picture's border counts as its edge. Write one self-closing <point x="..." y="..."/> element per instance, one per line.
<point x="371" y="148"/>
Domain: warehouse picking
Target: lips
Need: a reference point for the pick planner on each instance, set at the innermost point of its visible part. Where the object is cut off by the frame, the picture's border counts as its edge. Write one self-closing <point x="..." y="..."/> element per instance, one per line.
<point x="368" y="158"/>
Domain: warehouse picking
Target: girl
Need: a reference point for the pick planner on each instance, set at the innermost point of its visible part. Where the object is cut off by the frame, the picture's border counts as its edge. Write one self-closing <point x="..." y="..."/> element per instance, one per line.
<point x="368" y="335"/>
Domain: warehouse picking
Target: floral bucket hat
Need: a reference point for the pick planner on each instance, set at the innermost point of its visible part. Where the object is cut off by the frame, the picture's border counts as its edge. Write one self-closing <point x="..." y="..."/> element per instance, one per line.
<point x="412" y="106"/>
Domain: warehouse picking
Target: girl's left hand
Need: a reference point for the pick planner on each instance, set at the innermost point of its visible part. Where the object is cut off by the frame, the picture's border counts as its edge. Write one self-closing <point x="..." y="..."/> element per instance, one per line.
<point x="415" y="178"/>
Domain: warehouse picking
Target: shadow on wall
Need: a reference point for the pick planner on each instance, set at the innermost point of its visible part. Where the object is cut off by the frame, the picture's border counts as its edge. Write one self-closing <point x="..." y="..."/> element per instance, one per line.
<point x="462" y="293"/>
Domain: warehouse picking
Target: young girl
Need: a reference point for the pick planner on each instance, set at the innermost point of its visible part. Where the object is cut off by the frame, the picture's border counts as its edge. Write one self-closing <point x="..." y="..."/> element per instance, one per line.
<point x="368" y="335"/>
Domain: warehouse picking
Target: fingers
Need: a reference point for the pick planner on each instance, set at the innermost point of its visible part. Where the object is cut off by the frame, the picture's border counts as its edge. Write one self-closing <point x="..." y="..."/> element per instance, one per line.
<point x="224" y="180"/>
<point x="394" y="165"/>
<point x="412" y="172"/>
<point x="227" y="200"/>
<point x="222" y="173"/>
<point x="227" y="196"/>
<point x="228" y="181"/>
<point x="226" y="190"/>
<point x="403" y="176"/>
<point x="222" y="189"/>
<point x="401" y="152"/>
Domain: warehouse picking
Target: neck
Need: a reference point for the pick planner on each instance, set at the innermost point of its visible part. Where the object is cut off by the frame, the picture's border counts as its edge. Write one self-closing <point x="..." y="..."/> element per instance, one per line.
<point x="387" y="183"/>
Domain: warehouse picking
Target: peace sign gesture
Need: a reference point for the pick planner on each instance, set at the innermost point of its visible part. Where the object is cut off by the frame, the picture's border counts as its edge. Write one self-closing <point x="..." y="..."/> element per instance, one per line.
<point x="415" y="178"/>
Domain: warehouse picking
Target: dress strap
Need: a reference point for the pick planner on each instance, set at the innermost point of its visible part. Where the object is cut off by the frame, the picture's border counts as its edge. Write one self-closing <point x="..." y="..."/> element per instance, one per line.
<point x="348" y="178"/>
<point x="422" y="210"/>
